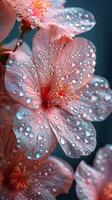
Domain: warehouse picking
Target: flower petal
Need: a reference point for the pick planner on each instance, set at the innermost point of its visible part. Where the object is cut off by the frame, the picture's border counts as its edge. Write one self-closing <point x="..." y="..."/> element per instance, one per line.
<point x="22" y="7"/>
<point x="8" y="150"/>
<point x="45" y="53"/>
<point x="55" y="174"/>
<point x="39" y="192"/>
<point x="73" y="20"/>
<point x="103" y="161"/>
<point x="88" y="182"/>
<point x="77" y="63"/>
<point x="96" y="98"/>
<point x="63" y="62"/>
<point x="33" y="133"/>
<point x="22" y="80"/>
<point x="7" y="19"/>
<point x="8" y="106"/>
<point x="76" y="136"/>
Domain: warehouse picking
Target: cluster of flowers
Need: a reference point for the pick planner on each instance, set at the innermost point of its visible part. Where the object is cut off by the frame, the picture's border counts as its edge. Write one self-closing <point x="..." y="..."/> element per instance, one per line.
<point x="50" y="95"/>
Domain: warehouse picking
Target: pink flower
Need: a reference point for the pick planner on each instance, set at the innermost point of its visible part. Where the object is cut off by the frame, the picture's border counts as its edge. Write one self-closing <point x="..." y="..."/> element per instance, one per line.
<point x="58" y="93"/>
<point x="22" y="179"/>
<point x="8" y="106"/>
<point x="41" y="13"/>
<point x="7" y="19"/>
<point x="96" y="183"/>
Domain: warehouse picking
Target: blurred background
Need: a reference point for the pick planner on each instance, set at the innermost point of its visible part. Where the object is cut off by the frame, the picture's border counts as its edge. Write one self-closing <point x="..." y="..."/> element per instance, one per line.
<point x="101" y="36"/>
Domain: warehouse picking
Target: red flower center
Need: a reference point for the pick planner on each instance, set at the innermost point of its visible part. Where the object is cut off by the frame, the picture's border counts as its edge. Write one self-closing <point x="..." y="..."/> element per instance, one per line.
<point x="19" y="178"/>
<point x="106" y="194"/>
<point x="50" y="98"/>
<point x="45" y="96"/>
<point x="15" y="179"/>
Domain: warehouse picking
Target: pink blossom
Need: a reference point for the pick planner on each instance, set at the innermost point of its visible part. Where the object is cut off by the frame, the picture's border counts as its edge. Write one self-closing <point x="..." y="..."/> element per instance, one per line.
<point x="22" y="179"/>
<point x="41" y="13"/>
<point x="7" y="19"/>
<point x="58" y="93"/>
<point x="8" y="106"/>
<point x="95" y="183"/>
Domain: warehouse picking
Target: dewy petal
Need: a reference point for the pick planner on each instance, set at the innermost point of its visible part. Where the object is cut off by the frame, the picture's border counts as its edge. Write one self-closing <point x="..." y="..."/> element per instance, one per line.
<point x="77" y="63"/>
<point x="6" y="195"/>
<point x="33" y="133"/>
<point x="71" y="64"/>
<point x="7" y="19"/>
<point x="38" y="193"/>
<point x="22" y="7"/>
<point x="22" y="80"/>
<point x="96" y="99"/>
<point x="24" y="10"/>
<point x="73" y="20"/>
<point x="88" y="182"/>
<point x="45" y="53"/>
<point x="103" y="161"/>
<point x="55" y="174"/>
<point x="8" y="106"/>
<point x="76" y="136"/>
<point x="8" y="109"/>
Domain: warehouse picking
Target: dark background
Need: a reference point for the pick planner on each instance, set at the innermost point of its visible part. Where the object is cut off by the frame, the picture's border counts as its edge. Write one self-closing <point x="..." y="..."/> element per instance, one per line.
<point x="101" y="36"/>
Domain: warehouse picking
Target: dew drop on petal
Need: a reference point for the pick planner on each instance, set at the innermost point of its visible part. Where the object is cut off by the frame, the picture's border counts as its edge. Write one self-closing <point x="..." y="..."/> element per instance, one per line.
<point x="62" y="141"/>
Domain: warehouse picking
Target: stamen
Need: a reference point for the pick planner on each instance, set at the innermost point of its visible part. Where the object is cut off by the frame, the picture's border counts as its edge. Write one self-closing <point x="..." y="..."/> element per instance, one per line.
<point x="40" y="7"/>
<point x="19" y="178"/>
<point x="65" y="92"/>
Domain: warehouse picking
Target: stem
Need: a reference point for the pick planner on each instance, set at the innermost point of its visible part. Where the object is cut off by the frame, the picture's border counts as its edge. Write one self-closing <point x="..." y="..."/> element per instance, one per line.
<point x="24" y="28"/>
<point x="20" y="40"/>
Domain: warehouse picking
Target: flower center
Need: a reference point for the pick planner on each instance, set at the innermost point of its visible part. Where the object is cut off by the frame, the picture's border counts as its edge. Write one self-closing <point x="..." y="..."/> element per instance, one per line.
<point x="19" y="178"/>
<point x="55" y="98"/>
<point x="107" y="192"/>
<point x="45" y="96"/>
<point x="40" y="7"/>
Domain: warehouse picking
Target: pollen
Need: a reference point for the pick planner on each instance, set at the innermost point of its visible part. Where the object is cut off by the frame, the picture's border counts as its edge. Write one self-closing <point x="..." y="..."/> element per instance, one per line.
<point x="19" y="178"/>
<point x="63" y="91"/>
<point x="66" y="93"/>
<point x="40" y="7"/>
<point x="108" y="192"/>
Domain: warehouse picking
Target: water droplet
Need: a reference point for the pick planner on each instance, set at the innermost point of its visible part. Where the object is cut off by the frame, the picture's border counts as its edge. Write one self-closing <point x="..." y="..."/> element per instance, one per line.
<point x="28" y="128"/>
<point x="88" y="133"/>
<point x="29" y="100"/>
<point x="94" y="98"/>
<point x="24" y="77"/>
<point x="21" y="129"/>
<point x="39" y="137"/>
<point x="107" y="97"/>
<point x="21" y="94"/>
<point x="31" y="135"/>
<point x="37" y="155"/>
<point x="62" y="141"/>
<point x="20" y="115"/>
<point x="26" y="134"/>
